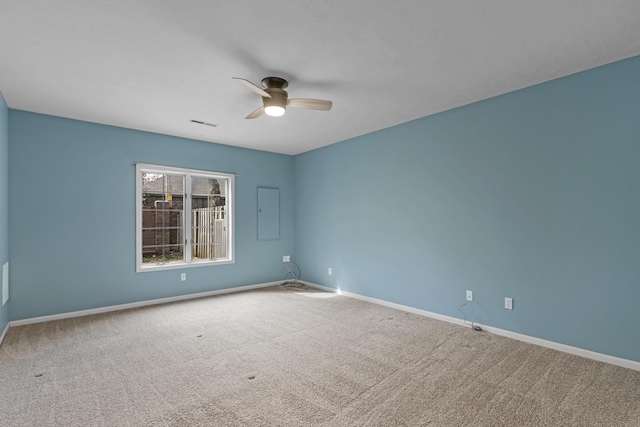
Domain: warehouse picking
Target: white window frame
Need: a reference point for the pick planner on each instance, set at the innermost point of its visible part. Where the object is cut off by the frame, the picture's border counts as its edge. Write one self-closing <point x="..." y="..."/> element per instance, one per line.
<point x="187" y="173"/>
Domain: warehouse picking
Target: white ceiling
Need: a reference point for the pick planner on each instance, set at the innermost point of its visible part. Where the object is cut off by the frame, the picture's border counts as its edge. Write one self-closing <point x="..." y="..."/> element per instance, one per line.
<point x="154" y="65"/>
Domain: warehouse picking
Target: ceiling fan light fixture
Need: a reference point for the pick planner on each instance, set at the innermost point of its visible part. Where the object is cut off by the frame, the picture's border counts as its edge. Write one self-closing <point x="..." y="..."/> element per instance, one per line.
<point x="274" y="110"/>
<point x="276" y="104"/>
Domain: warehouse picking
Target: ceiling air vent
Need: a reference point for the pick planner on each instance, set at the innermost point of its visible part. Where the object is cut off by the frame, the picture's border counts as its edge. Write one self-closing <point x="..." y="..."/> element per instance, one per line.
<point x="200" y="122"/>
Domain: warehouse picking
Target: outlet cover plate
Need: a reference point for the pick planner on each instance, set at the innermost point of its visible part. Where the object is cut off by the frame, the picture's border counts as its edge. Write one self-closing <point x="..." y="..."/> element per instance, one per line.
<point x="508" y="303"/>
<point x="469" y="295"/>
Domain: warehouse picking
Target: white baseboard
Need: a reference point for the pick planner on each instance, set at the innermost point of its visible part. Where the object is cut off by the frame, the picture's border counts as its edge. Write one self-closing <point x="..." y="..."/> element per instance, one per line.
<point x="625" y="363"/>
<point x="134" y="305"/>
<point x="4" y="333"/>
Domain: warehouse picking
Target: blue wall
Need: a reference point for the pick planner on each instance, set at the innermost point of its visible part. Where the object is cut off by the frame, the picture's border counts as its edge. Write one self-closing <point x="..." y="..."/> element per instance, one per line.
<point x="533" y="195"/>
<point x="72" y="210"/>
<point x="4" y="205"/>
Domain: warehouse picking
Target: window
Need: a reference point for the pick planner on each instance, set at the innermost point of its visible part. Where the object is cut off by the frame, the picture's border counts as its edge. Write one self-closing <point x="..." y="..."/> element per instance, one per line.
<point x="184" y="218"/>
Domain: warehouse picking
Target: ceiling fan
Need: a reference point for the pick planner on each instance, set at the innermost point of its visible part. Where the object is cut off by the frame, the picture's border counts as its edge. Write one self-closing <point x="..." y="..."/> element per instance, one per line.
<point x="275" y="98"/>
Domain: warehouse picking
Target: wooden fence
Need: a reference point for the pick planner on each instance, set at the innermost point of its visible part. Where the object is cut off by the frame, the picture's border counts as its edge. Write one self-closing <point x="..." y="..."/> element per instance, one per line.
<point x="209" y="238"/>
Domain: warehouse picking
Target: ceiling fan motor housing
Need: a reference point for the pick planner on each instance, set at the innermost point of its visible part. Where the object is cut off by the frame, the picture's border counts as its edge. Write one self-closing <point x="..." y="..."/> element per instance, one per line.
<point x="275" y="82"/>
<point x="278" y="98"/>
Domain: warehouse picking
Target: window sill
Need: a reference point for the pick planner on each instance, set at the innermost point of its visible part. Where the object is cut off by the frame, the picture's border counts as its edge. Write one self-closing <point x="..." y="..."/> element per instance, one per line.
<point x="181" y="265"/>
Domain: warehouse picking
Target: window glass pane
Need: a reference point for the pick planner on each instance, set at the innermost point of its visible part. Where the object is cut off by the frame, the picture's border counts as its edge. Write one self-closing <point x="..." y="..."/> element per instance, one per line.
<point x="162" y="218"/>
<point x="208" y="218"/>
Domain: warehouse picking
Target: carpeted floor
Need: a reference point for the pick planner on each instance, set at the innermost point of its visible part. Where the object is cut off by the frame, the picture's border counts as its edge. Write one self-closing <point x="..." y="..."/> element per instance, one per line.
<point x="296" y="357"/>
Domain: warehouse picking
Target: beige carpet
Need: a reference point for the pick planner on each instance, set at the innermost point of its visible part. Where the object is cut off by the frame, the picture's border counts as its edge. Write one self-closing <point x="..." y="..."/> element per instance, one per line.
<point x="296" y="357"/>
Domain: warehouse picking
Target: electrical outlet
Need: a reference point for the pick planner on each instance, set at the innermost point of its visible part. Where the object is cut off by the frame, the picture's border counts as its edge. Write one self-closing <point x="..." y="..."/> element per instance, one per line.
<point x="183" y="277"/>
<point x="330" y="271"/>
<point x="286" y="258"/>
<point x="469" y="295"/>
<point x="508" y="303"/>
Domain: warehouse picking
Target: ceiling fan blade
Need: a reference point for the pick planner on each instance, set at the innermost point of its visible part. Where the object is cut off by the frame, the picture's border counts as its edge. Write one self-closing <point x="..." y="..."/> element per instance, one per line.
<point x="256" y="113"/>
<point x="253" y="87"/>
<point x="311" y="104"/>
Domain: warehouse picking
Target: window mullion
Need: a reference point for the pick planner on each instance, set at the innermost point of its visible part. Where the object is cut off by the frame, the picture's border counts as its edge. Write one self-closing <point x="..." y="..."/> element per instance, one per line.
<point x="187" y="219"/>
